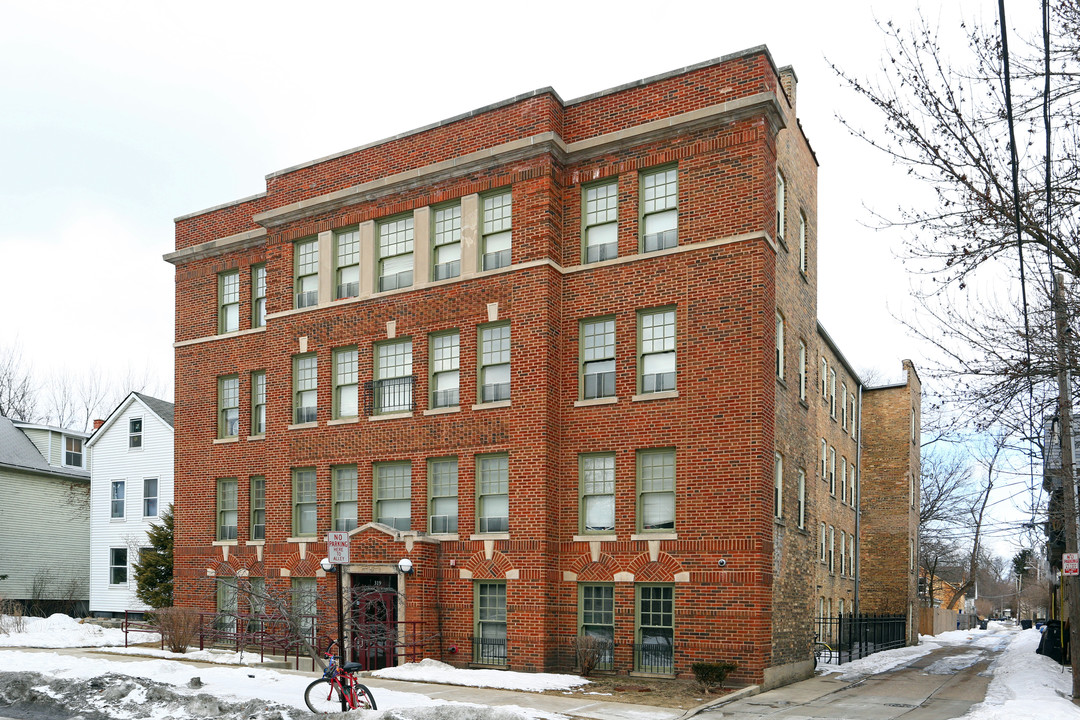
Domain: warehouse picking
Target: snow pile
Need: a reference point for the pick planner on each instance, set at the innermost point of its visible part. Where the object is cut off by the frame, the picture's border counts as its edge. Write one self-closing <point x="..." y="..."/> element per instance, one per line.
<point x="879" y="662"/>
<point x="1026" y="685"/>
<point x="60" y="631"/>
<point x="219" y="657"/>
<point x="433" y="671"/>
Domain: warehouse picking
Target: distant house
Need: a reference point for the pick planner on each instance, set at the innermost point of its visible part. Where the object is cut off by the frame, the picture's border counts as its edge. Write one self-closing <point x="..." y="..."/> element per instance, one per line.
<point x="131" y="485"/>
<point x="44" y="516"/>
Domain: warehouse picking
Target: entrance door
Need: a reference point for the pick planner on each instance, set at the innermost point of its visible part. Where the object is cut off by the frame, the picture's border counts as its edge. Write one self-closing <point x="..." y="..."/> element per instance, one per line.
<point x="374" y="620"/>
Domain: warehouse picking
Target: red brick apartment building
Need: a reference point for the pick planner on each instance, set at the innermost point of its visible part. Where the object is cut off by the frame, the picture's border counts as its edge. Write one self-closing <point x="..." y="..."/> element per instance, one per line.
<point x="563" y="356"/>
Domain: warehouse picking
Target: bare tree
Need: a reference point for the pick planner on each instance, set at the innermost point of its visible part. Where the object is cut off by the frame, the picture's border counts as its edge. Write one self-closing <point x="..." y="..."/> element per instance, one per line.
<point x="17" y="391"/>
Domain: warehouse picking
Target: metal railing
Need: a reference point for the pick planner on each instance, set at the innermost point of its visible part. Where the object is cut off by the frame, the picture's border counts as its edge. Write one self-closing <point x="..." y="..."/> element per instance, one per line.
<point x="348" y="290"/>
<point x="389" y="395"/>
<point x="661" y="240"/>
<point x="853" y="636"/>
<point x="307" y="299"/>
<point x="447" y="270"/>
<point x="497" y="259"/>
<point x="599" y="385"/>
<point x="306" y="415"/>
<point x="598" y="253"/>
<point x="489" y="651"/>
<point x="495" y="393"/>
<point x="654" y="658"/>
<point x="444" y="398"/>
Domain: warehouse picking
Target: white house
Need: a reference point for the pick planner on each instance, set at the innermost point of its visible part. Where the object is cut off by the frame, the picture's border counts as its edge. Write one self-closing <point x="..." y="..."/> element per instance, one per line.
<point x="131" y="485"/>
<point x="44" y="517"/>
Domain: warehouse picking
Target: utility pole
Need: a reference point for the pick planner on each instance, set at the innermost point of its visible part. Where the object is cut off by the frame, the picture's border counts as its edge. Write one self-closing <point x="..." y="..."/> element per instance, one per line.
<point x="1067" y="480"/>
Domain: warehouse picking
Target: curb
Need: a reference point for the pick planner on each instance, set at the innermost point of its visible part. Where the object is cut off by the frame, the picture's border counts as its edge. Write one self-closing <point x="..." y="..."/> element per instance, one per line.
<point x="748" y="691"/>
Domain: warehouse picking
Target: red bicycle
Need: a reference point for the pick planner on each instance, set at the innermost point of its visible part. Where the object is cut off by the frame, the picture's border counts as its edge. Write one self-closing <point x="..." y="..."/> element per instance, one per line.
<point x="338" y="690"/>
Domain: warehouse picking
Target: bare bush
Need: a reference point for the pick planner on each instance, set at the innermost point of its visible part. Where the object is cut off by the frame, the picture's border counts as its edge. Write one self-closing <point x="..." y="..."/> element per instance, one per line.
<point x="11" y="617"/>
<point x="592" y="652"/>
<point x="178" y="626"/>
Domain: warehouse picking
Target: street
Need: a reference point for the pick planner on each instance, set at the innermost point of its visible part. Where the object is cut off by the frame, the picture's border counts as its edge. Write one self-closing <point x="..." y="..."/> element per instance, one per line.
<point x="942" y="684"/>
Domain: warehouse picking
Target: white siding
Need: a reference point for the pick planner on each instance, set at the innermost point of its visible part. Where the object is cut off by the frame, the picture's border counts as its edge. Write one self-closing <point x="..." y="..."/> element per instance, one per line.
<point x="114" y="461"/>
<point x="44" y="528"/>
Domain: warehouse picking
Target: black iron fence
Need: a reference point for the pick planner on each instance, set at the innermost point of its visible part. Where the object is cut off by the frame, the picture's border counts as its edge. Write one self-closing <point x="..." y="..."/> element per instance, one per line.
<point x="489" y="651"/>
<point x="850" y="636"/>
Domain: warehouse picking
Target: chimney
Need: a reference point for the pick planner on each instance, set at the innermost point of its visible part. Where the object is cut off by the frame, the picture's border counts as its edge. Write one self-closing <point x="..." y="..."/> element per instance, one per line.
<point x="789" y="81"/>
<point x="97" y="424"/>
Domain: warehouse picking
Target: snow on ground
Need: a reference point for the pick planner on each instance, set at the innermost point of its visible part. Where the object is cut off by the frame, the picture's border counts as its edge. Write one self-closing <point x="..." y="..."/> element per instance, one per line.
<point x="59" y="631"/>
<point x="219" y="657"/>
<point x="433" y="671"/>
<point x="1026" y="685"/>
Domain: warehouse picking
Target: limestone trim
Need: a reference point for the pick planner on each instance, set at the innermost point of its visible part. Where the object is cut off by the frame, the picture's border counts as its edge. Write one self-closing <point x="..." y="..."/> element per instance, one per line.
<point x="230" y="243"/>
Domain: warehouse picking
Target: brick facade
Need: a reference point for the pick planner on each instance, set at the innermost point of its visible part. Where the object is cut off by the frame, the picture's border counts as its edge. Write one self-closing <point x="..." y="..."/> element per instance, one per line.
<point x="739" y="579"/>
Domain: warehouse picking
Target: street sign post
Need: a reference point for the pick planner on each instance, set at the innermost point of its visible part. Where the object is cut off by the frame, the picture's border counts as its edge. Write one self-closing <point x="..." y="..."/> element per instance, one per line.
<point x="1070" y="563"/>
<point x="337" y="547"/>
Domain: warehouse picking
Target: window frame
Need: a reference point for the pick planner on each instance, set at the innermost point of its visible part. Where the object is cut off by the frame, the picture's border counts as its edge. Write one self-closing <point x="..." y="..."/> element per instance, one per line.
<point x="583" y="495"/>
<point x="224" y="509"/>
<point x="666" y="241"/>
<point x="832" y="549"/>
<point x="843" y="405"/>
<point x="135" y="434"/>
<point x="436" y="245"/>
<point x="802" y="242"/>
<point x="479" y="657"/>
<point x="586" y="226"/>
<point x="228" y="301"/>
<point x="801" y="499"/>
<point x="639" y="590"/>
<point x="338" y="477"/>
<point x="586" y="614"/>
<point x="843" y="479"/>
<point x="408" y="231"/>
<point x="69" y="453"/>
<point x="300" y="278"/>
<point x="486" y="235"/>
<point x="256" y="507"/>
<point x="339" y="267"/>
<point x="147" y="496"/>
<point x="832" y="471"/>
<point x="435" y="362"/>
<point x="484" y="364"/>
<point x="674" y="351"/>
<point x="779" y="345"/>
<point x="300" y="502"/>
<point x="781" y="202"/>
<point x="639" y="493"/>
<point x="378" y="496"/>
<point x="381" y="381"/>
<point x="258" y="403"/>
<point x="118" y="564"/>
<point x="114" y="485"/>
<point x="832" y="393"/>
<point x="297" y="390"/>
<point x="336" y="358"/>
<point x="583" y="361"/>
<point x="802" y="370"/>
<point x="258" y="295"/>
<point x="436" y="492"/>
<point x="501" y="489"/>
<point x="778" y="486"/>
<point x="821" y="543"/>
<point x="228" y="402"/>
<point x="824" y="378"/>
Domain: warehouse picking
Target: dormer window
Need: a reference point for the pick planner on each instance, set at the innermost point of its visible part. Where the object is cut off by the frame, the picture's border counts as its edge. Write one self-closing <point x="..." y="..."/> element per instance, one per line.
<point x="135" y="433"/>
<point x="73" y="452"/>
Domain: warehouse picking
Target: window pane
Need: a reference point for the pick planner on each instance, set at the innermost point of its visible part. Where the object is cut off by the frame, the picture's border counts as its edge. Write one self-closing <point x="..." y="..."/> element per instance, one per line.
<point x="497" y="243"/>
<point x="448" y="226"/>
<point x="395" y="359"/>
<point x="659" y="191"/>
<point x="497" y="213"/>
<point x="601" y="204"/>
<point x="307" y="257"/>
<point x="495" y="345"/>
<point x="396" y="237"/>
<point x="445" y="352"/>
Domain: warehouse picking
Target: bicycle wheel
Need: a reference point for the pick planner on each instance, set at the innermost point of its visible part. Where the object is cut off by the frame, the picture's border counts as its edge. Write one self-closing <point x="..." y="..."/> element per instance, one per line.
<point x="364" y="699"/>
<point x="323" y="696"/>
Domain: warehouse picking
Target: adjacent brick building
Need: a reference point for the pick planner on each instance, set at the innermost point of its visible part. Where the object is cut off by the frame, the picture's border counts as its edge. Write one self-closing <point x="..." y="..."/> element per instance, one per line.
<point x="563" y="356"/>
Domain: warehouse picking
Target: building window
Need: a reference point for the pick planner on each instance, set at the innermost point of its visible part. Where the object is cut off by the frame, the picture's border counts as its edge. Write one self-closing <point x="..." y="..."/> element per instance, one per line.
<point x="347" y="263"/>
<point x="824" y="379"/>
<point x="442" y="495"/>
<point x="306" y="272"/>
<point x="445" y="373"/>
<point x="73" y="454"/>
<point x="843" y="406"/>
<point x="346" y="383"/>
<point x="393" y="494"/>
<point x="597" y="357"/>
<point x="779" y="346"/>
<point x="832" y="393"/>
<point x="851" y="485"/>
<point x="226" y="509"/>
<point x="396" y="253"/>
<point x="781" y="192"/>
<point x="489" y="638"/>
<point x="656" y="489"/>
<point x="305" y="389"/>
<point x="851" y="555"/>
<point x="493" y="493"/>
<point x="496" y="231"/>
<point x="116" y="500"/>
<point x="229" y="301"/>
<point x="227" y="606"/>
<point x="134" y="433"/>
<point x="597" y="613"/>
<point x="257" y="504"/>
<point x="258" y="296"/>
<point x="821" y="542"/>
<point x="852" y="416"/>
<point x="802" y="370"/>
<point x="447" y="242"/>
<point x="843" y="551"/>
<point x="656" y="350"/>
<point x="393" y="377"/>
<point x="117" y="566"/>
<point x="305" y="598"/>
<point x="228" y="406"/>
<point x="911" y="488"/>
<point x="802" y="499"/>
<point x="824" y="453"/>
<point x="914" y="427"/>
<point x="655" y="629"/>
<point x="778" y="486"/>
<point x="843" y="479"/>
<point x="802" y="242"/>
<point x="494" y="363"/>
<point x="659" y="209"/>
<point x="911" y="554"/>
<point x="305" y="511"/>
<point x="256" y="602"/>
<point x="601" y="216"/>
<point x="832" y="548"/>
<point x="832" y="471"/>
<point x="345" y="517"/>
<point x="258" y="402"/>
<point x="597" y="483"/>
<point x="150" y="497"/>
